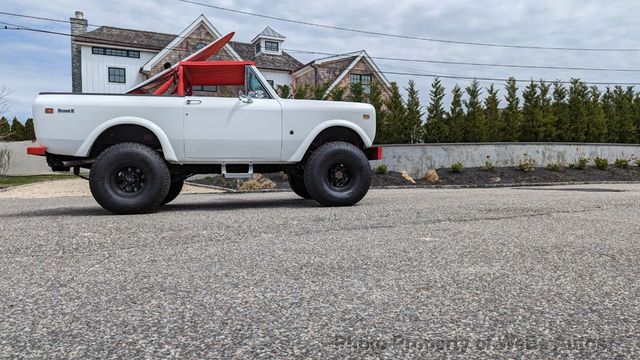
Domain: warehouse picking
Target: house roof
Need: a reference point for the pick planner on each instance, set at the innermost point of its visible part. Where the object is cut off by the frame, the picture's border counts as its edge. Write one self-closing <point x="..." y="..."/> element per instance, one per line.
<point x="356" y="57"/>
<point x="108" y="35"/>
<point x="148" y="40"/>
<point x="199" y="21"/>
<point x="268" y="32"/>
<point x="266" y="61"/>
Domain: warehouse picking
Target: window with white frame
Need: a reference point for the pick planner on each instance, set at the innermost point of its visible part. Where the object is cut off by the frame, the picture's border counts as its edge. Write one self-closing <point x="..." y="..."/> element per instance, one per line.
<point x="117" y="75"/>
<point x="271" y="46"/>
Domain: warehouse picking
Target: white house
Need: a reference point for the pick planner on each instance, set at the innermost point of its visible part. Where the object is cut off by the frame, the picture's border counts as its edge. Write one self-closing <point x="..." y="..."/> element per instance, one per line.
<point x="113" y="60"/>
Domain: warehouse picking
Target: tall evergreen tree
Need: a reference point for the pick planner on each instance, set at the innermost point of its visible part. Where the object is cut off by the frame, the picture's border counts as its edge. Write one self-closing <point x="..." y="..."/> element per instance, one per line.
<point x="376" y="100"/>
<point x="301" y="92"/>
<point x="636" y="116"/>
<point x="492" y="114"/>
<point x="609" y="114"/>
<point x="578" y="110"/>
<point x="597" y="123"/>
<point x="475" y="128"/>
<point x="5" y="129"/>
<point x="337" y="93"/>
<point x="284" y="91"/>
<point x="17" y="130"/>
<point x="561" y="112"/>
<point x="548" y="128"/>
<point x="357" y="92"/>
<point x="29" y="130"/>
<point x="531" y="125"/>
<point x="319" y="91"/>
<point x="511" y="116"/>
<point x="414" y="115"/>
<point x="623" y="126"/>
<point x="395" y="117"/>
<point x="455" y="117"/>
<point x="435" y="128"/>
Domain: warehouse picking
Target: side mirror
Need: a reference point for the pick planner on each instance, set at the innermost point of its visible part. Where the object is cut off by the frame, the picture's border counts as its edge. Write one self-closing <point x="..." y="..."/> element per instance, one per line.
<point x="244" y="98"/>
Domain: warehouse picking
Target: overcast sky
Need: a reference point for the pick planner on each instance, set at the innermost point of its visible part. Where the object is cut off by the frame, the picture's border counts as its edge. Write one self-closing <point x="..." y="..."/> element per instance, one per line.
<point x="34" y="62"/>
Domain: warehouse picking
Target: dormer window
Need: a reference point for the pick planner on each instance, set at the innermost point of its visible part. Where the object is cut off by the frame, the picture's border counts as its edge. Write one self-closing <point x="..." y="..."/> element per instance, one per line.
<point x="268" y="42"/>
<point x="271" y="46"/>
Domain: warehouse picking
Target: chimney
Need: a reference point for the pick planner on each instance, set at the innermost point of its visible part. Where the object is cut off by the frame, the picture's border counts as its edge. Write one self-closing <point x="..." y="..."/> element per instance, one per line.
<point x="78" y="27"/>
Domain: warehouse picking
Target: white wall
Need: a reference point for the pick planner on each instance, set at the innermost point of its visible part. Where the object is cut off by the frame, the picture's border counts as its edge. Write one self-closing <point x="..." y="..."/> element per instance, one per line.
<point x="278" y="77"/>
<point x="95" y="77"/>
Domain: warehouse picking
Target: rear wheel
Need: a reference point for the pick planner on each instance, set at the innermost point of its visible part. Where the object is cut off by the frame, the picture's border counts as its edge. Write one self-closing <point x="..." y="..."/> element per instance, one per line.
<point x="174" y="191"/>
<point x="296" y="181"/>
<point x="337" y="174"/>
<point x="129" y="178"/>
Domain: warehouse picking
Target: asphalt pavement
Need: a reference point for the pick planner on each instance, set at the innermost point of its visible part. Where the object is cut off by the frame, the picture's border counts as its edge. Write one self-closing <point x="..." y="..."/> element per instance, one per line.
<point x="475" y="273"/>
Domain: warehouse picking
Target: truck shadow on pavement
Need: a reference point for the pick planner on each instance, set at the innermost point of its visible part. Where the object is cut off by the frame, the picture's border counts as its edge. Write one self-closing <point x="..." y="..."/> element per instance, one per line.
<point x="239" y="205"/>
<point x="180" y="206"/>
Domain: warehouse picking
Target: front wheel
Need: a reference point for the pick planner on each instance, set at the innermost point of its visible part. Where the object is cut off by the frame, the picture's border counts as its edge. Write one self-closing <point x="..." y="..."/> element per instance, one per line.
<point x="296" y="181"/>
<point x="337" y="174"/>
<point x="129" y="178"/>
<point x="174" y="191"/>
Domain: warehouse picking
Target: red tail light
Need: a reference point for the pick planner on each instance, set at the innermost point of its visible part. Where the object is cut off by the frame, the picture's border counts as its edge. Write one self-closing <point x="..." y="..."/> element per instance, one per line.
<point x="48" y="110"/>
<point x="37" y="150"/>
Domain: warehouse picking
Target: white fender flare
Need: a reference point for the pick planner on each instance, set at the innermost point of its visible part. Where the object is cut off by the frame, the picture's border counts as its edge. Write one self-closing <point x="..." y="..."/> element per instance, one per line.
<point x="302" y="149"/>
<point x="167" y="149"/>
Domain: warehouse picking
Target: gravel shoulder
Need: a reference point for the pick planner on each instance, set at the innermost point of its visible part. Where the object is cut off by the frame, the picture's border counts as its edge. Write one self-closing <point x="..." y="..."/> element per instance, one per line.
<point x="71" y="188"/>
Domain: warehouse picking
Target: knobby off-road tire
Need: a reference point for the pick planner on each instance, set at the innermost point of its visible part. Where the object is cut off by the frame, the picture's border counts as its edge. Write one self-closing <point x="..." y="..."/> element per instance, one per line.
<point x="174" y="191"/>
<point x="296" y="181"/>
<point x="129" y="178"/>
<point x="337" y="174"/>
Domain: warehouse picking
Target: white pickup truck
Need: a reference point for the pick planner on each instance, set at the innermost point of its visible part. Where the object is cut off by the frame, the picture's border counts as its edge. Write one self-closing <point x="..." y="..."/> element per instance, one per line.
<point x="141" y="146"/>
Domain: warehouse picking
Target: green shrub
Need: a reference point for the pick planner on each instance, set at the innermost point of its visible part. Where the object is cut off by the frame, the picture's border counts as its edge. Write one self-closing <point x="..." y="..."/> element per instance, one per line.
<point x="527" y="164"/>
<point x="382" y="169"/>
<point x="489" y="165"/>
<point x="622" y="163"/>
<point x="557" y="166"/>
<point x="581" y="164"/>
<point x="638" y="162"/>
<point x="457" y="167"/>
<point x="601" y="163"/>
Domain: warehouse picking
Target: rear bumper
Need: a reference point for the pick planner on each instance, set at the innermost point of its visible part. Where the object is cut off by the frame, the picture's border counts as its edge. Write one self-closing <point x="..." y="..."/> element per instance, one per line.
<point x="374" y="153"/>
<point x="37" y="150"/>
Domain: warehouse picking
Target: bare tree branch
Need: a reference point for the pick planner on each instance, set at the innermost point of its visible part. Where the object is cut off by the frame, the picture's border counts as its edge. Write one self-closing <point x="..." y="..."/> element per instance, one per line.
<point x="5" y="99"/>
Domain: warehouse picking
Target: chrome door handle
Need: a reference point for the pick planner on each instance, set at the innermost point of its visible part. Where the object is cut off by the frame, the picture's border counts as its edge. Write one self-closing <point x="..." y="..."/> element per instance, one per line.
<point x="194" y="102"/>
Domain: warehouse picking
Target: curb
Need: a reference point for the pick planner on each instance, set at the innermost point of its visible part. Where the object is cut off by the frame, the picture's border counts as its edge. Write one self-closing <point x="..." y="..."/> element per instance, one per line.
<point x="443" y="187"/>
<point x="505" y="185"/>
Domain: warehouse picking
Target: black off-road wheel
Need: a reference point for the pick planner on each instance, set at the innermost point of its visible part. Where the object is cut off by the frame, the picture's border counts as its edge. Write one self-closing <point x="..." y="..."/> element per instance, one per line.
<point x="296" y="181"/>
<point x="337" y="174"/>
<point x="174" y="191"/>
<point x="129" y="178"/>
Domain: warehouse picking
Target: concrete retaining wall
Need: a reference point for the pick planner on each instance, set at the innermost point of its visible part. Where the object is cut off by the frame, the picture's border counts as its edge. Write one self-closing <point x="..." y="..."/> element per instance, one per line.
<point x="23" y="164"/>
<point x="417" y="159"/>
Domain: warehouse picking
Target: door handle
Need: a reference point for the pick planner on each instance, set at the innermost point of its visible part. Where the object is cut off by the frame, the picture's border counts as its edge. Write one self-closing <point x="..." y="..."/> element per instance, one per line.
<point x="194" y="102"/>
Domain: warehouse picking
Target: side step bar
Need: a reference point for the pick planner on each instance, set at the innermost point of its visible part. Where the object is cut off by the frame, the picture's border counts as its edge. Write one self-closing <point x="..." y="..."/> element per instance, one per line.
<point x="236" y="175"/>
